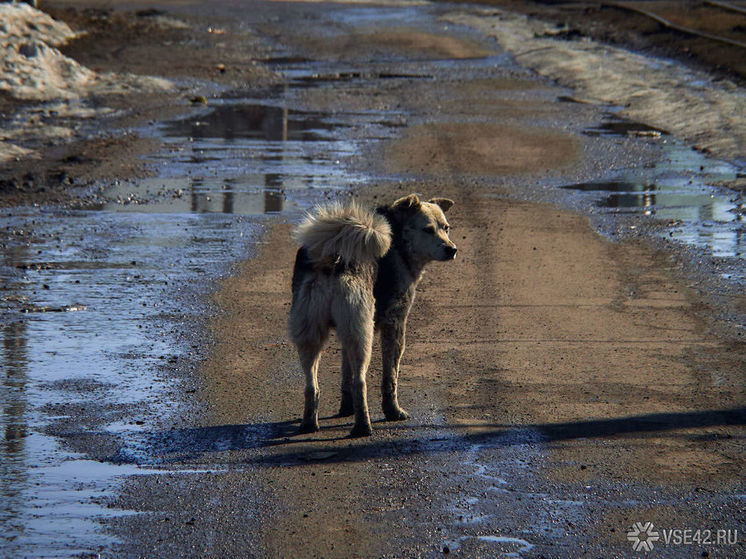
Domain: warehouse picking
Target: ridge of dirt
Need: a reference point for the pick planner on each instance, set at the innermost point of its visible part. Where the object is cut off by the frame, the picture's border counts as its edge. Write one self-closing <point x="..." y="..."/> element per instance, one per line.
<point x="610" y="23"/>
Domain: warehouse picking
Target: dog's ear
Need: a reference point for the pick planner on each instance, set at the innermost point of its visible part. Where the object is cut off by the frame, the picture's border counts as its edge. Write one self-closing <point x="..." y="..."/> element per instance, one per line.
<point x="444" y="203"/>
<point x="408" y="203"/>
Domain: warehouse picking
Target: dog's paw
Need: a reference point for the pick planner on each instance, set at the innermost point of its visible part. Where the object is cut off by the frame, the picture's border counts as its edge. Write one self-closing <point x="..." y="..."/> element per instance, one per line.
<point x="308" y="427"/>
<point x="395" y="414"/>
<point x="362" y="430"/>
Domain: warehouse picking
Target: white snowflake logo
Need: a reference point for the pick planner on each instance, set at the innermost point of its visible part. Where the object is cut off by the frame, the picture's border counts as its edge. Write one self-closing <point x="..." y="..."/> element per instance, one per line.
<point x="642" y="536"/>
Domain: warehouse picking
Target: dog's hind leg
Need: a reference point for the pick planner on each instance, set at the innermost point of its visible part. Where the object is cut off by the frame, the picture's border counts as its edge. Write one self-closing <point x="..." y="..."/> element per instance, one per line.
<point x="392" y="347"/>
<point x="310" y="355"/>
<point x="346" y="408"/>
<point x="356" y="335"/>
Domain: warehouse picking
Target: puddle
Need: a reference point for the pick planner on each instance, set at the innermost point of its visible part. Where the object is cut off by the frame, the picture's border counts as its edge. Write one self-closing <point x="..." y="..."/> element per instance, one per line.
<point x="684" y="189"/>
<point x="503" y="506"/>
<point x="622" y="127"/>
<point x="130" y="284"/>
<point x="185" y="195"/>
<point x="321" y="79"/>
<point x="63" y="479"/>
<point x="229" y="121"/>
<point x="242" y="157"/>
<point x="503" y="545"/>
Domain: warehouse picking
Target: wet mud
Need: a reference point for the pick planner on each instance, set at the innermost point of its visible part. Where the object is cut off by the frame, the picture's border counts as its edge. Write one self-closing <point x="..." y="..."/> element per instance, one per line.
<point x="562" y="386"/>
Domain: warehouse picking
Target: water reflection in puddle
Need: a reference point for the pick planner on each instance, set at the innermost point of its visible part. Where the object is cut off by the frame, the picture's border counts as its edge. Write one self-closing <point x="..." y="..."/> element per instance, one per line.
<point x="249" y="158"/>
<point x="229" y="121"/>
<point x="185" y="195"/>
<point x="622" y="127"/>
<point x="685" y="189"/>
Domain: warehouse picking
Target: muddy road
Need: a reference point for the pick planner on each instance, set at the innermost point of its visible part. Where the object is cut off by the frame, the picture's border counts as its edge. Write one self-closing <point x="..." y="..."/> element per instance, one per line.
<point x="577" y="372"/>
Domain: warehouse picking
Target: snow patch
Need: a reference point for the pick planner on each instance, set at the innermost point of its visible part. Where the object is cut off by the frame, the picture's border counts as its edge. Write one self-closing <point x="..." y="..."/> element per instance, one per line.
<point x="33" y="69"/>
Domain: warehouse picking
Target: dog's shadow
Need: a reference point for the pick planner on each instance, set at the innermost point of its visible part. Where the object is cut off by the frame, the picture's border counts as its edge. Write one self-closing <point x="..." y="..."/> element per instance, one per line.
<point x="197" y="442"/>
<point x="190" y="442"/>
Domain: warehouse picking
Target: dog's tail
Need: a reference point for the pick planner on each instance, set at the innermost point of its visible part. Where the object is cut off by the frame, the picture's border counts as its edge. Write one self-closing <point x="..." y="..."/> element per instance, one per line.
<point x="347" y="232"/>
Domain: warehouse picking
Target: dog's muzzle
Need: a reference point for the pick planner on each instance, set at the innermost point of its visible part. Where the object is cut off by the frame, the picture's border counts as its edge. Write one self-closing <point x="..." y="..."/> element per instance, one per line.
<point x="451" y="253"/>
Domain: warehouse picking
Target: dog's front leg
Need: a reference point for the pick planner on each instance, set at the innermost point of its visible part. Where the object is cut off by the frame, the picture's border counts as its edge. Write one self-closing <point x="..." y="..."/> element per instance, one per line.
<point x="392" y="347"/>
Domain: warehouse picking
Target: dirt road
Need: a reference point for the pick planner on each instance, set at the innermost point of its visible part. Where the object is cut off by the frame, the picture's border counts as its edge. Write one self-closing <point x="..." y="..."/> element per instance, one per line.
<point x="549" y="405"/>
<point x="562" y="387"/>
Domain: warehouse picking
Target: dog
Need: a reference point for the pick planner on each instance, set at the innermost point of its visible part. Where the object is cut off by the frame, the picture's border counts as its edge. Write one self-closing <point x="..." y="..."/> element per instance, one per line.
<point x="357" y="271"/>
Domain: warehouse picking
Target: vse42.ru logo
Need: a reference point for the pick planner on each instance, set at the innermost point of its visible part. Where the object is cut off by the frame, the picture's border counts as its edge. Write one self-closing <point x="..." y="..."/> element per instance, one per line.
<point x="644" y="535"/>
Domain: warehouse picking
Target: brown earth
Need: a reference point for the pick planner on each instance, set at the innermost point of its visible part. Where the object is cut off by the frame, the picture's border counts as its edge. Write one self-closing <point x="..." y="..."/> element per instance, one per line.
<point x="398" y="40"/>
<point x="137" y="38"/>
<point x="540" y="322"/>
<point x="442" y="149"/>
<point x="63" y="176"/>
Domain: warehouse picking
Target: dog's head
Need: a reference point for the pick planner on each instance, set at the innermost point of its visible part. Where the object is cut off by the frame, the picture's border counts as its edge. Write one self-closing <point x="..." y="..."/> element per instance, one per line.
<point x="423" y="227"/>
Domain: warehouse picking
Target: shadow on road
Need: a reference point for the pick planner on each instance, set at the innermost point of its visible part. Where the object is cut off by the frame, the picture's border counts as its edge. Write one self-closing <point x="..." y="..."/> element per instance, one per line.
<point x="177" y="445"/>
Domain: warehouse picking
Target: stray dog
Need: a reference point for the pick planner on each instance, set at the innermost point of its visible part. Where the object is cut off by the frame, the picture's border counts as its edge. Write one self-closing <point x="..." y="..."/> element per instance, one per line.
<point x="357" y="271"/>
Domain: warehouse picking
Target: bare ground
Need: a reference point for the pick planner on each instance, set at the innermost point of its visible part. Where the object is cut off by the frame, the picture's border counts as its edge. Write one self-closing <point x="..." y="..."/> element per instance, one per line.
<point x="134" y="38"/>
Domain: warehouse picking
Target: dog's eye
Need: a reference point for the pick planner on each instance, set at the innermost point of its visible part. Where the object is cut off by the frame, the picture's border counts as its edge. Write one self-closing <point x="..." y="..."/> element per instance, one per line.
<point x="447" y="228"/>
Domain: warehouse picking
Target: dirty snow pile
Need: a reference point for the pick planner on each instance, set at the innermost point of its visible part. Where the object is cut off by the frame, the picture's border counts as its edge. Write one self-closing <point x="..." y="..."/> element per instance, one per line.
<point x="688" y="103"/>
<point x="31" y="68"/>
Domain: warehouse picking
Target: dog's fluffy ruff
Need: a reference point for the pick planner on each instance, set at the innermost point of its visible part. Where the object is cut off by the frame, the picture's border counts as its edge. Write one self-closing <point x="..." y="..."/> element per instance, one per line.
<point x="344" y="231"/>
